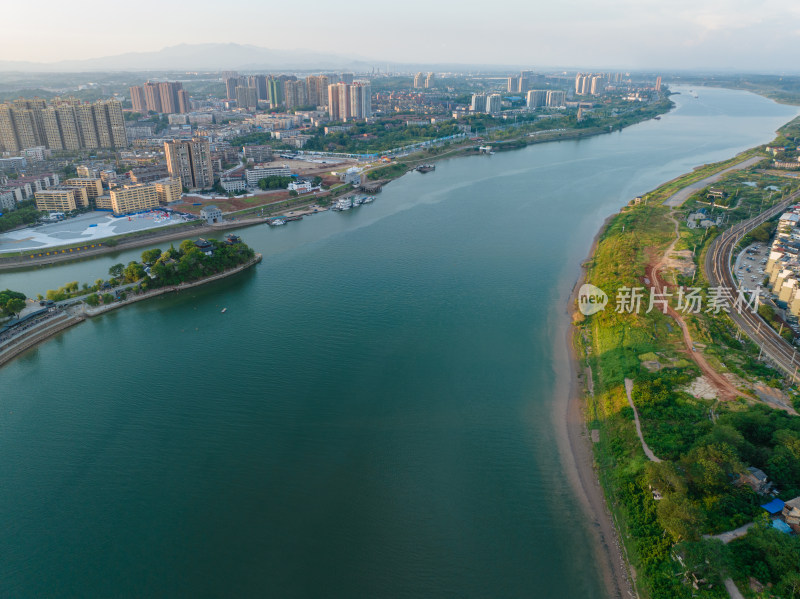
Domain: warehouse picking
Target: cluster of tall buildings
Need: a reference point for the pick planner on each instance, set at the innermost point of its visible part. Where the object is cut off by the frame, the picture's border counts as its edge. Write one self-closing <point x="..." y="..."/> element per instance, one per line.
<point x="590" y="84"/>
<point x="422" y="80"/>
<point x="350" y="101"/>
<point x="165" y="97"/>
<point x="550" y="98"/>
<point x="489" y="103"/>
<point x="522" y="83"/>
<point x="63" y="124"/>
<point x="280" y="90"/>
<point x="345" y="98"/>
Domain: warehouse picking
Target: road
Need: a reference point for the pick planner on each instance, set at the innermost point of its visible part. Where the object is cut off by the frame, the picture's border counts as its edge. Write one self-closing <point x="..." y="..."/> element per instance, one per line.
<point x="718" y="272"/>
<point x="679" y="197"/>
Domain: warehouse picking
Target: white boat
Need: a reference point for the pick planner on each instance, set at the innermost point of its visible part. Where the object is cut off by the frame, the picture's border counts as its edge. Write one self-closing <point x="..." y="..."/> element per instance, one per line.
<point x="368" y="199"/>
<point x="276" y="222"/>
<point x="357" y="202"/>
<point x="224" y="310"/>
<point x="342" y="204"/>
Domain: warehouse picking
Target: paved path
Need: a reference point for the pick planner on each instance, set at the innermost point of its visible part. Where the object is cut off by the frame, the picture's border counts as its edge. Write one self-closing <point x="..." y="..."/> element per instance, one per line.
<point x="679" y="197"/>
<point x="647" y="451"/>
<point x="731" y="535"/>
<point x="730" y="586"/>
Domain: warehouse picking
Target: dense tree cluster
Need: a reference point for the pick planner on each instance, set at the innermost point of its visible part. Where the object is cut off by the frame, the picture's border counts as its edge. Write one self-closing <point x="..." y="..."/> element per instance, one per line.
<point x="187" y="262"/>
<point x="274" y="182"/>
<point x="25" y="214"/>
<point x="11" y="302"/>
<point x="701" y="491"/>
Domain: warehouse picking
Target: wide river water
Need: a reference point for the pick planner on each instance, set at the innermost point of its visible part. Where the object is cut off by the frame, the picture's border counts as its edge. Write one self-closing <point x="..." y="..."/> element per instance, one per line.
<point x="373" y="416"/>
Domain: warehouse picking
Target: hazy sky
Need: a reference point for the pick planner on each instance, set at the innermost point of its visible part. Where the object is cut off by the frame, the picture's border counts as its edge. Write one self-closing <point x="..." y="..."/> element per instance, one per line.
<point x="741" y="34"/>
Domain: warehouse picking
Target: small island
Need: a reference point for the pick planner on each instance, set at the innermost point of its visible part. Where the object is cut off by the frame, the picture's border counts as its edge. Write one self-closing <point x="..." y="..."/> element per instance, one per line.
<point x="191" y="264"/>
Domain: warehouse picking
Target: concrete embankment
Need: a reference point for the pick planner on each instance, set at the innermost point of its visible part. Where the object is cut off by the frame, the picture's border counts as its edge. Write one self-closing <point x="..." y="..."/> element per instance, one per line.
<point x="38" y="334"/>
<point x="90" y="312"/>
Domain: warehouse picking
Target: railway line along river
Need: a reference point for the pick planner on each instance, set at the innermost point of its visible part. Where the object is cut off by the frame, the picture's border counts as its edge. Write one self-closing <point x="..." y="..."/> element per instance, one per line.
<point x="375" y="414"/>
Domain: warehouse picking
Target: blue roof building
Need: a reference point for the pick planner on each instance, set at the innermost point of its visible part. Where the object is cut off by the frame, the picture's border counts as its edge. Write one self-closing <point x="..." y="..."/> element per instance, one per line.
<point x="774" y="507"/>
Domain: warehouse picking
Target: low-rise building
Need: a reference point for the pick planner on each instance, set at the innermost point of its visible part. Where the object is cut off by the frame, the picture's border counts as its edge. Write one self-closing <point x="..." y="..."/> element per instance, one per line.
<point x="93" y="186"/>
<point x="253" y="176"/>
<point x="168" y="190"/>
<point x="233" y="184"/>
<point x="300" y="186"/>
<point x="8" y="200"/>
<point x="61" y="199"/>
<point x="791" y="513"/>
<point x="134" y="198"/>
<point x="212" y="214"/>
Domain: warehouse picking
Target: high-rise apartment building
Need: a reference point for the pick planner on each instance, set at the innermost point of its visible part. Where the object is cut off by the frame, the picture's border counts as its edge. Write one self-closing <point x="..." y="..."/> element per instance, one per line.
<point x="163" y="97"/>
<point x="525" y="81"/>
<point x="429" y="80"/>
<point x="184" y="104"/>
<point x="295" y="93"/>
<point x="190" y="161"/>
<point x="168" y="90"/>
<point x="513" y="84"/>
<point x="339" y="101"/>
<point x="347" y="102"/>
<point x="152" y="97"/>
<point x="658" y="83"/>
<point x="419" y="80"/>
<point x="66" y="124"/>
<point x="556" y="98"/>
<point x="493" y="103"/>
<point x="259" y="83"/>
<point x="312" y="90"/>
<point x="323" y="81"/>
<point x="246" y="97"/>
<point x="231" y="83"/>
<point x="275" y="91"/>
<point x="137" y="99"/>
<point x="360" y="100"/>
<point x="537" y="98"/>
<point x="478" y="103"/>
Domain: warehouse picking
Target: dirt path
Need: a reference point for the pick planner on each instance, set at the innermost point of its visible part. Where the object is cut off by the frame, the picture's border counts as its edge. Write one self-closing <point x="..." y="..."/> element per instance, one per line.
<point x="647" y="451"/>
<point x="726" y="390"/>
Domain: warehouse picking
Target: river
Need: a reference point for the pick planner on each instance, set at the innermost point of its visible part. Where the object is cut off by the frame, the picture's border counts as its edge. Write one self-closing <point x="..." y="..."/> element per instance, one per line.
<point x="371" y="417"/>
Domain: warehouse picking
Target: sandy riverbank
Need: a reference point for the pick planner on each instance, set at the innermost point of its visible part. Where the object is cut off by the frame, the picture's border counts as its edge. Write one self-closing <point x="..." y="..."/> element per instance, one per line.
<point x="575" y="447"/>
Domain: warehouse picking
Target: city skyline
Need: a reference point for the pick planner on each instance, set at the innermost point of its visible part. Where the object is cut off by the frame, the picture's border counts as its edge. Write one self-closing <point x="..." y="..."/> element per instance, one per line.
<point x="618" y="33"/>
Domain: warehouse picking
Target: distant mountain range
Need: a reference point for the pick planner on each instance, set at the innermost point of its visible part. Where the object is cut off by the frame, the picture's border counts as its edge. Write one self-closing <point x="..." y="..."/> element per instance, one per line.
<point x="196" y="57"/>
